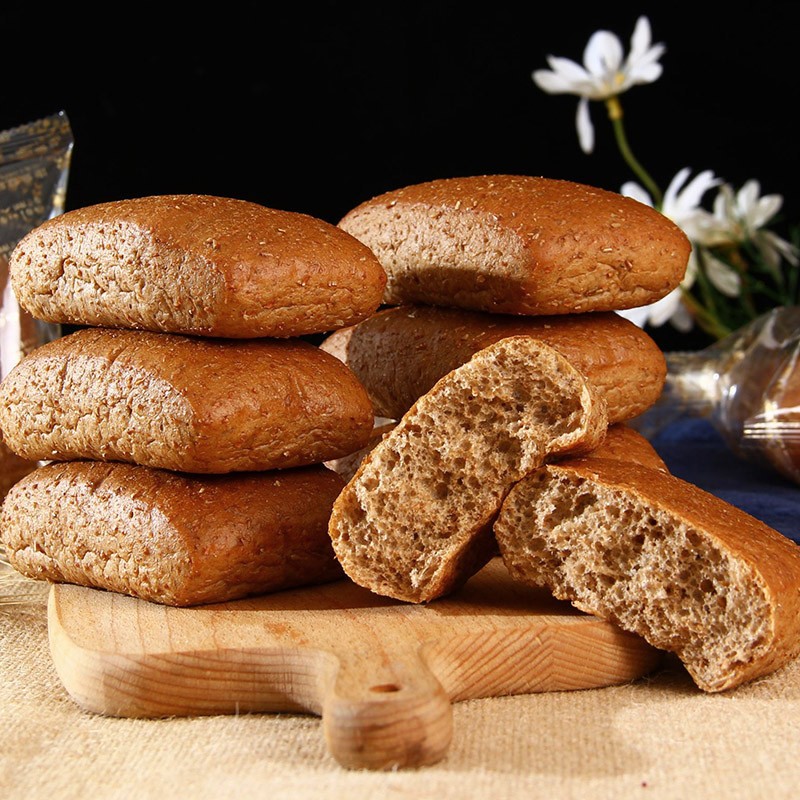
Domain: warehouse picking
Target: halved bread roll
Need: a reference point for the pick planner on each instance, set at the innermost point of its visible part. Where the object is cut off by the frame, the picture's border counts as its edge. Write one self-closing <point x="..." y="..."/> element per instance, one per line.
<point x="659" y="557"/>
<point x="415" y="520"/>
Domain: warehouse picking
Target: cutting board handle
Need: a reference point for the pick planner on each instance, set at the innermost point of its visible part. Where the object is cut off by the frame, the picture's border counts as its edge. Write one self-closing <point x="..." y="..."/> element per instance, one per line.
<point x="384" y="711"/>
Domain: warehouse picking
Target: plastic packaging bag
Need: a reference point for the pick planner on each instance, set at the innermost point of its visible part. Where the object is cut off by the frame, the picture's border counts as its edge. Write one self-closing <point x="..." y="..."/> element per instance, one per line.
<point x="34" y="170"/>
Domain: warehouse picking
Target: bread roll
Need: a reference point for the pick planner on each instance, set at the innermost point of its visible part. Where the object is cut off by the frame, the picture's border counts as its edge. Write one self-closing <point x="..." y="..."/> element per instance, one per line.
<point x="415" y="520"/>
<point x="519" y="244"/>
<point x="399" y="353"/>
<point x="171" y="538"/>
<point x="195" y="264"/>
<point x="661" y="558"/>
<point x="183" y="403"/>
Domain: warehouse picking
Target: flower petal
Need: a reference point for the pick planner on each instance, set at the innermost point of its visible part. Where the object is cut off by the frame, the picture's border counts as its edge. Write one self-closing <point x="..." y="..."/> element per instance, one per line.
<point x="638" y="316"/>
<point x="583" y="122"/>
<point x="674" y="187"/>
<point x="764" y="210"/>
<point x="772" y="248"/>
<point x="682" y="319"/>
<point x="722" y="276"/>
<point x="641" y="65"/>
<point x="644" y="73"/>
<point x="747" y="197"/>
<point x="689" y="197"/>
<point x="786" y="249"/>
<point x="655" y="314"/>
<point x="603" y="55"/>
<point x="633" y="190"/>
<point x="551" y="82"/>
<point x="641" y="38"/>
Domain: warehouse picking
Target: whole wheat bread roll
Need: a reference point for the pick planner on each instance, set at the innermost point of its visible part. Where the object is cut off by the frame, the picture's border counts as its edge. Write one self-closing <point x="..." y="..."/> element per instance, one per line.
<point x="399" y="353"/>
<point x="661" y="558"/>
<point x="195" y="264"/>
<point x="520" y="244"/>
<point x="172" y="538"/>
<point x="183" y="403"/>
<point x="415" y="521"/>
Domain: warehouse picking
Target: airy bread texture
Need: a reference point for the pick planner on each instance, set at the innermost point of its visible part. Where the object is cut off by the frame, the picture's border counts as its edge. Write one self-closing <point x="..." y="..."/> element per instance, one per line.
<point x="189" y="404"/>
<point x="195" y="264"/>
<point x="661" y="558"/>
<point x="520" y="245"/>
<point x="399" y="353"/>
<point x="174" y="539"/>
<point x="415" y="521"/>
<point x="620" y="442"/>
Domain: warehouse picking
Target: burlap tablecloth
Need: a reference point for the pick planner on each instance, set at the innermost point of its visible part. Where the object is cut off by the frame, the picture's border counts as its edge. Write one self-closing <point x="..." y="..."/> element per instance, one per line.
<point x="656" y="738"/>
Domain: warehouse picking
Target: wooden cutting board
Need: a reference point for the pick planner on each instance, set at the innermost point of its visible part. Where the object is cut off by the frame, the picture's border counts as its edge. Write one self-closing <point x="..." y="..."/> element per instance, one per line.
<point x="382" y="674"/>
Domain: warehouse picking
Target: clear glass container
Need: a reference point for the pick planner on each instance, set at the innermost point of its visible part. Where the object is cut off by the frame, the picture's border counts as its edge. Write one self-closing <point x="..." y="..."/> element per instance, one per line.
<point x="747" y="385"/>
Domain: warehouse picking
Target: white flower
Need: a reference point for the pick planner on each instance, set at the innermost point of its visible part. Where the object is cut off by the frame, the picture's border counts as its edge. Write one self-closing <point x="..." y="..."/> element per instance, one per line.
<point x="681" y="204"/>
<point x="681" y="201"/>
<point x="603" y="74"/>
<point x="669" y="308"/>
<point x="742" y="217"/>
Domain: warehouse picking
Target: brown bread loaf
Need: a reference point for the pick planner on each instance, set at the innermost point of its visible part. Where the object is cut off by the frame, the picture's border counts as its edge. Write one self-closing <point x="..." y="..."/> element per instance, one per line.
<point x="520" y="244"/>
<point x="399" y="353"/>
<point x="415" y="520"/>
<point x="661" y="558"/>
<point x="195" y="264"/>
<point x="171" y="538"/>
<point x="184" y="403"/>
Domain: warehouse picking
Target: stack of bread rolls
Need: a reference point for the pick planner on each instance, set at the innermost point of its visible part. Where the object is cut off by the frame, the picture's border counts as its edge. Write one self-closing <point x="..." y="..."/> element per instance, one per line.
<point x="183" y="426"/>
<point x="507" y="379"/>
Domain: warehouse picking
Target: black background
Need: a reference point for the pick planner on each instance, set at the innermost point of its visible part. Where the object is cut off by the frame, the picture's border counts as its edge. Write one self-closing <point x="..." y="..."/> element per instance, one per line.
<point x="315" y="107"/>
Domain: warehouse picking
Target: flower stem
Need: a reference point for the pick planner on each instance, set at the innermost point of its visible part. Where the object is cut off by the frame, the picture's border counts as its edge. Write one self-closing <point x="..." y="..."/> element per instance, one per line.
<point x="705" y="319"/>
<point x="615" y="115"/>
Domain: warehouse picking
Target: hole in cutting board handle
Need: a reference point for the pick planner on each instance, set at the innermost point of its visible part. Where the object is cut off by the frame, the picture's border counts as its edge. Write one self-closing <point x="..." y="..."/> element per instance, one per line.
<point x="385" y="688"/>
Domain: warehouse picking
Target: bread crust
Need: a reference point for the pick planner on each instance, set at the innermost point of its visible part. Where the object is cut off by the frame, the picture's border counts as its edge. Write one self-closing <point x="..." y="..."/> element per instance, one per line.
<point x="621" y="443"/>
<point x="414" y="522"/>
<point x="183" y="403"/>
<point x="169" y="538"/>
<point x="662" y="558"/>
<point x="399" y="353"/>
<point x="520" y="244"/>
<point x="195" y="264"/>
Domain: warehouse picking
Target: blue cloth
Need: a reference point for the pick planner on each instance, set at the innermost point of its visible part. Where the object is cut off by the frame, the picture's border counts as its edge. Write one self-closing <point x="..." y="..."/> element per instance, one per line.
<point x="695" y="451"/>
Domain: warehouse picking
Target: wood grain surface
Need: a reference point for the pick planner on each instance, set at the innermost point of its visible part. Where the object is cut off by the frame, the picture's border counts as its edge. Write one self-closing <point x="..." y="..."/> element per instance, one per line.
<point x="382" y="674"/>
